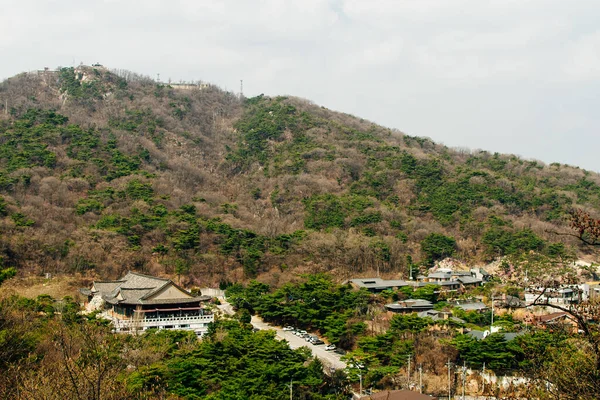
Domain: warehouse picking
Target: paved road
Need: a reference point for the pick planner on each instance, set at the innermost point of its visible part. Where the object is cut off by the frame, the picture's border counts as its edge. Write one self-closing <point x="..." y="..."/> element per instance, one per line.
<point x="328" y="358"/>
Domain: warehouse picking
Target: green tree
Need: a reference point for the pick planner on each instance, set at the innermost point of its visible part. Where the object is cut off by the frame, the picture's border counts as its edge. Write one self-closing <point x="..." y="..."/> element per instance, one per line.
<point x="436" y="246"/>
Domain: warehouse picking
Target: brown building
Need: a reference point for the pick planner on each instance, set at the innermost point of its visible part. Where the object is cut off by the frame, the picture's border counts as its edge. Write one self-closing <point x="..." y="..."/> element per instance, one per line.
<point x="397" y="395"/>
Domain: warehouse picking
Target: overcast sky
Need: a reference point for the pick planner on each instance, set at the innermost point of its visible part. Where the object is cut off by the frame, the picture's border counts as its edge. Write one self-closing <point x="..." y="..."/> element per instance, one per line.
<point x="513" y="76"/>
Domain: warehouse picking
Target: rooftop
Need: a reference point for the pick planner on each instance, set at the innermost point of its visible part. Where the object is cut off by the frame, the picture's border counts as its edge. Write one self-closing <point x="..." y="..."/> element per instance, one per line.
<point x="397" y="395"/>
<point x="412" y="304"/>
<point x="471" y="306"/>
<point x="378" y="283"/>
<point x="135" y="288"/>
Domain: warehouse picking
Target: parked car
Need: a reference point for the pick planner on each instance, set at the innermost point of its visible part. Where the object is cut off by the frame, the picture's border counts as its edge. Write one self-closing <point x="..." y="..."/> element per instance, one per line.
<point x="317" y="342"/>
<point x="330" y="347"/>
<point x="340" y="351"/>
<point x="289" y="328"/>
<point x="300" y="333"/>
<point x="310" y="338"/>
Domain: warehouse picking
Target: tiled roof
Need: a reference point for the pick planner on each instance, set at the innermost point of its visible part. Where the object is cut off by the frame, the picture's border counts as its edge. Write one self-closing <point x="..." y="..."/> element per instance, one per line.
<point x="378" y="283"/>
<point x="443" y="275"/>
<point x="466" y="280"/>
<point x="552" y="317"/>
<point x="448" y="283"/>
<point x="416" y="304"/>
<point x="474" y="306"/>
<point x="397" y="395"/>
<point x="136" y="288"/>
<point x="439" y="316"/>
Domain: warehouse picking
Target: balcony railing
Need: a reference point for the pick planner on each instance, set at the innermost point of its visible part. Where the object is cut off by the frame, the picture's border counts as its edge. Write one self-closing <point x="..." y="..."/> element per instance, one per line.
<point x="164" y="321"/>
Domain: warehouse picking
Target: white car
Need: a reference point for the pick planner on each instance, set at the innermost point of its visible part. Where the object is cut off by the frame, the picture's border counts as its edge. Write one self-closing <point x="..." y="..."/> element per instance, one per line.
<point x="288" y="328"/>
<point x="330" y="347"/>
<point x="300" y="333"/>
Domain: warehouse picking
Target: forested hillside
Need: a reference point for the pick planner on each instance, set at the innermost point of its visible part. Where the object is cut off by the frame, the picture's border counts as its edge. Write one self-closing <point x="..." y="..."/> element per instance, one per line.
<point x="107" y="171"/>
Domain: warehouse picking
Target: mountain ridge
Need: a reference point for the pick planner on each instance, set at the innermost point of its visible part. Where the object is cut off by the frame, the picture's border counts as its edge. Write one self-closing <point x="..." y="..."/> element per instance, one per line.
<point x="201" y="183"/>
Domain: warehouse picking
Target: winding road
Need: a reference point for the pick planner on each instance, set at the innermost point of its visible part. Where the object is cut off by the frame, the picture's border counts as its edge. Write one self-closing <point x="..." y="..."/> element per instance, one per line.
<point x="329" y="359"/>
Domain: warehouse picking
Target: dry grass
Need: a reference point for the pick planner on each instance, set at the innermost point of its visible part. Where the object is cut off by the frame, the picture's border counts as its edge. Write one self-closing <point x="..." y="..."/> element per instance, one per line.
<point x="33" y="286"/>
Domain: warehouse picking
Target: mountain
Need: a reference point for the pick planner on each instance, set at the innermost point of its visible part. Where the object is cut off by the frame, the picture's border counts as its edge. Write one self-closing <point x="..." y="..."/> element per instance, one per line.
<point x="104" y="171"/>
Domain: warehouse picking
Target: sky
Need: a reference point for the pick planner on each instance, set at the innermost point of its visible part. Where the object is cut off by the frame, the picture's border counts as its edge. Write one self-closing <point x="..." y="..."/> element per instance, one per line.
<point x="509" y="76"/>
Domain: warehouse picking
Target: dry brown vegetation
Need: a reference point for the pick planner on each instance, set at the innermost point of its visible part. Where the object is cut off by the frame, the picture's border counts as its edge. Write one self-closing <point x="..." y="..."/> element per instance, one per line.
<point x="195" y="147"/>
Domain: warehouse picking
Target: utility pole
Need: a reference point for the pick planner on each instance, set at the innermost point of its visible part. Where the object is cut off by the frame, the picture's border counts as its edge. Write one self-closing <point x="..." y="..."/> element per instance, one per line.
<point x="291" y="385"/>
<point x="359" y="382"/>
<point x="241" y="88"/>
<point x="483" y="379"/>
<point x="408" y="373"/>
<point x="157" y="78"/>
<point x="492" y="313"/>
<point x="420" y="378"/>
<point x="464" y="378"/>
<point x="449" y="382"/>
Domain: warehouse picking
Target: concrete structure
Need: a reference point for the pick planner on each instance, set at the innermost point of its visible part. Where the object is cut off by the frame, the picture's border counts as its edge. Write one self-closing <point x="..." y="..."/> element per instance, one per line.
<point x="397" y="395"/>
<point x="480" y="273"/>
<point x="563" y="295"/>
<point x="139" y="302"/>
<point x="480" y="335"/>
<point x="438" y="316"/>
<point x="556" y="321"/>
<point x="410" y="306"/>
<point x="469" y="282"/>
<point x="452" y="280"/>
<point x="376" y="285"/>
<point x="469" y="305"/>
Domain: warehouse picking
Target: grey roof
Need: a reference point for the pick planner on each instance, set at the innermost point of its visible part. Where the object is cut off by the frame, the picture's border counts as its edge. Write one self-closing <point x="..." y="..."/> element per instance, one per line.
<point x="136" y="288"/>
<point x="466" y="280"/>
<point x="378" y="283"/>
<point x="105" y="286"/>
<point x="439" y="316"/>
<point x="474" y="306"/>
<point x="448" y="283"/>
<point x="441" y="275"/>
<point x="508" y="336"/>
<point x="461" y="273"/>
<point x="411" y="304"/>
<point x="479" y="335"/>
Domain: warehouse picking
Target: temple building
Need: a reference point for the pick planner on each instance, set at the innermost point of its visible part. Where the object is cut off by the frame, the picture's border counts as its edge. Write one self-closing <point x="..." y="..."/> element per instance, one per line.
<point x="139" y="302"/>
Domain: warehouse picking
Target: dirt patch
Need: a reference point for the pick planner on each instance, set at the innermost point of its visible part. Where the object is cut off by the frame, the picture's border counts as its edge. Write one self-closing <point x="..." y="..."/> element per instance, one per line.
<point x="33" y="286"/>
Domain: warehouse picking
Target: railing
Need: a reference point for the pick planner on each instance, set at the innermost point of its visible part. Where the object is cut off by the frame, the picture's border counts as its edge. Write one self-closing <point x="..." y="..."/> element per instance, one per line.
<point x="198" y="318"/>
<point x="166" y="321"/>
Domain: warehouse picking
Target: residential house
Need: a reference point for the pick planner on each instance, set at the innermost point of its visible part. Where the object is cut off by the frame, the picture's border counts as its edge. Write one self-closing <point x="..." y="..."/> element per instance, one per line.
<point x="564" y="295"/>
<point x="469" y="305"/>
<point x="397" y="395"/>
<point x="439" y="316"/>
<point x="438" y="277"/>
<point x="451" y="280"/>
<point x="480" y="335"/>
<point x="410" y="306"/>
<point x="593" y="290"/>
<point x="377" y="285"/>
<point x="449" y="286"/>
<point x="481" y="273"/>
<point x="556" y="321"/>
<point x="469" y="282"/>
<point x="138" y="302"/>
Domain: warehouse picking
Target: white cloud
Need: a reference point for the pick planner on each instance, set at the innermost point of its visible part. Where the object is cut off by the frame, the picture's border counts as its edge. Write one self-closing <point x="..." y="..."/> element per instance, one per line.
<point x="464" y="72"/>
<point x="583" y="62"/>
